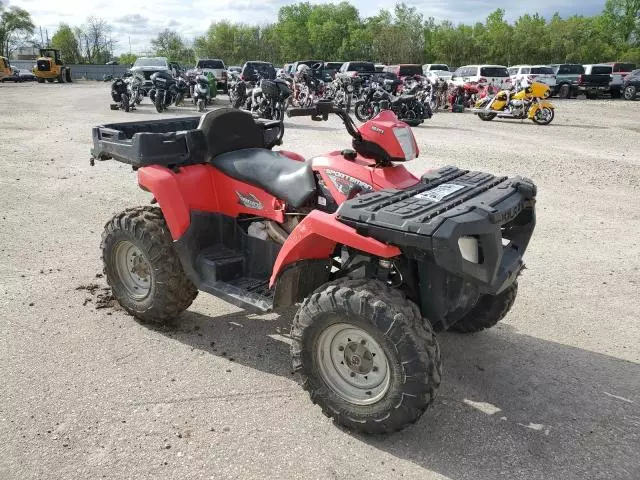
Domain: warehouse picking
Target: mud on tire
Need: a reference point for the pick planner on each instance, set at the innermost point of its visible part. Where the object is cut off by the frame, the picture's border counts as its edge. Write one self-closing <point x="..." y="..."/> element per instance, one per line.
<point x="489" y="310"/>
<point x="168" y="290"/>
<point x="389" y="321"/>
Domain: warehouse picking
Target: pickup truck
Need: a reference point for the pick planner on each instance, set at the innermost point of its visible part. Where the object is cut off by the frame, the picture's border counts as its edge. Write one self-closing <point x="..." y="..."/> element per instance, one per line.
<point x="595" y="80"/>
<point x="566" y="79"/>
<point x="620" y="71"/>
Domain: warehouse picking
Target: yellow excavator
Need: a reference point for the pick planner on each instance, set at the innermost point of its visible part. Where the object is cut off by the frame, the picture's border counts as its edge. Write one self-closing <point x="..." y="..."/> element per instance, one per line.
<point x="5" y="68"/>
<point x="49" y="67"/>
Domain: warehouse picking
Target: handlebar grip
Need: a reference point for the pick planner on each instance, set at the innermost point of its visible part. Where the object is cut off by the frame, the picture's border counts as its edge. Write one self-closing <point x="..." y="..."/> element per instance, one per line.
<point x="302" y="112"/>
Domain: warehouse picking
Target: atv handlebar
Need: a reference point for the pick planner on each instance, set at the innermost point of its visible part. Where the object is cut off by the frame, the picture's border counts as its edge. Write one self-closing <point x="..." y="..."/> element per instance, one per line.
<point x="321" y="111"/>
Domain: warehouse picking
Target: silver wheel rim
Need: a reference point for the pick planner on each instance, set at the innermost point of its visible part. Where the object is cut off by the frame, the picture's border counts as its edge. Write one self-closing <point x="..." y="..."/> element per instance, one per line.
<point x="133" y="269"/>
<point x="353" y="364"/>
<point x="629" y="93"/>
<point x="544" y="115"/>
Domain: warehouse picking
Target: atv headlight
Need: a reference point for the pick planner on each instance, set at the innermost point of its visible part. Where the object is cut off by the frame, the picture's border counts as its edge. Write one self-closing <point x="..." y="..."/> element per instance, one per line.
<point x="469" y="249"/>
<point x="405" y="139"/>
<point x="349" y="88"/>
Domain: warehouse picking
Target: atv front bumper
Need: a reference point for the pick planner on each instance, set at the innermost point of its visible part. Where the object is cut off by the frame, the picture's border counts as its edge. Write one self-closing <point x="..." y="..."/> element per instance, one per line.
<point x="473" y="225"/>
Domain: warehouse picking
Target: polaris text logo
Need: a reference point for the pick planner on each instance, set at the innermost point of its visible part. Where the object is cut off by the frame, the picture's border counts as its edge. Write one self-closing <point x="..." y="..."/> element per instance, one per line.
<point x="377" y="129"/>
<point x="249" y="200"/>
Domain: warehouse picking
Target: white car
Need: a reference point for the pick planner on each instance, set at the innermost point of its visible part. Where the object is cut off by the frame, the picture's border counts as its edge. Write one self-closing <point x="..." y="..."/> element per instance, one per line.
<point x="533" y="73"/>
<point x="435" y="66"/>
<point x="434" y="75"/>
<point x="496" y="75"/>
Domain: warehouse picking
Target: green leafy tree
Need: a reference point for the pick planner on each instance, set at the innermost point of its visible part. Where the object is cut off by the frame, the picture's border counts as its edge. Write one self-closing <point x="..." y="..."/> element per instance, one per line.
<point x="15" y="23"/>
<point x="65" y="41"/>
<point x="170" y="44"/>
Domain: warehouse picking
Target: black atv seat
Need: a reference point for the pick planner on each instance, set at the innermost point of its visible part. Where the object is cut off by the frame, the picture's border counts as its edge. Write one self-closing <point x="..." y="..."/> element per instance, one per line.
<point x="286" y="179"/>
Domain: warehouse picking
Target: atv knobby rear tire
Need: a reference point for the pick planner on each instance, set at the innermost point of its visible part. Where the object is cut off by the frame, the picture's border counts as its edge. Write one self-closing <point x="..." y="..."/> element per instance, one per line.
<point x="407" y="352"/>
<point x="489" y="310"/>
<point x="169" y="291"/>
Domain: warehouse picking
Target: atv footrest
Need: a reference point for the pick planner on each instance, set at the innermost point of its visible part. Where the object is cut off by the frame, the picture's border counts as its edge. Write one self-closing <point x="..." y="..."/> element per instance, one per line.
<point x="248" y="293"/>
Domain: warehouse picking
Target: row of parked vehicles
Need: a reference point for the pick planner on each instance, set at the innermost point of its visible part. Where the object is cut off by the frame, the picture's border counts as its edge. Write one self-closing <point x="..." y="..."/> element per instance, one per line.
<point x="564" y="80"/>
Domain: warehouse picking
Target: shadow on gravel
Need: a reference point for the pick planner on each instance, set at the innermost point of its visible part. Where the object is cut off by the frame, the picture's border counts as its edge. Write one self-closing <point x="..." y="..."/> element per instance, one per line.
<point x="510" y="406"/>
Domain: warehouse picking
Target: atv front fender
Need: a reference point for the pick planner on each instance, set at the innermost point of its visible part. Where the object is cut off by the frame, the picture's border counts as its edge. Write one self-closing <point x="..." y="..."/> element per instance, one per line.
<point x="316" y="237"/>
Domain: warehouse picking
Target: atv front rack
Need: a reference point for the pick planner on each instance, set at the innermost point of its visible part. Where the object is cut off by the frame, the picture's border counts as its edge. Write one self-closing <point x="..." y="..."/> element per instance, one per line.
<point x="473" y="225"/>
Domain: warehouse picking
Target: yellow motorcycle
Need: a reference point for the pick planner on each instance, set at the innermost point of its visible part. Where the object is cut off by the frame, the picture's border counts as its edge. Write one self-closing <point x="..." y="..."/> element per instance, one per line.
<point x="528" y="102"/>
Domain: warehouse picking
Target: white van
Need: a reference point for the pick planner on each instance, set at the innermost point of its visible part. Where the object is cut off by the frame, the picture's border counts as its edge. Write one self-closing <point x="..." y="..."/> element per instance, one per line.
<point x="497" y="75"/>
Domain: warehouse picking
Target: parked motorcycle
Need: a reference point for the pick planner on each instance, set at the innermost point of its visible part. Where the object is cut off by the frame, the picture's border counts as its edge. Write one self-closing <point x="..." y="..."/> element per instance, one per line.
<point x="120" y="95"/>
<point x="376" y="99"/>
<point x="182" y="90"/>
<point x="270" y="99"/>
<point x="164" y="90"/>
<point x="529" y="102"/>
<point x="201" y="92"/>
<point x="340" y="92"/>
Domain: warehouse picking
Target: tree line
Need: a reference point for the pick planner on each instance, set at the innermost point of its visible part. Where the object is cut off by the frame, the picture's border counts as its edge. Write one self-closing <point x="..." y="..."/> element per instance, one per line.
<point x="337" y="31"/>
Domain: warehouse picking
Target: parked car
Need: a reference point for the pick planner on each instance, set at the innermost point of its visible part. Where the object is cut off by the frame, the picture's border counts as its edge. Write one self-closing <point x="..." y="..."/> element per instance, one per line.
<point x="567" y="75"/>
<point x="235" y="69"/>
<point x="435" y="66"/>
<point x="596" y="80"/>
<point x="405" y="70"/>
<point x="379" y="67"/>
<point x="497" y="75"/>
<point x="251" y="69"/>
<point x="438" y="75"/>
<point x="530" y="73"/>
<point x="147" y="66"/>
<point x="359" y="69"/>
<point x="620" y="71"/>
<point x="631" y="85"/>
<point x="215" y="67"/>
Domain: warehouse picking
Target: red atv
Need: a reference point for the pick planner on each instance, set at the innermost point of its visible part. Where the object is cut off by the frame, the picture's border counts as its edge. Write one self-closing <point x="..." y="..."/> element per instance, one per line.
<point x="376" y="257"/>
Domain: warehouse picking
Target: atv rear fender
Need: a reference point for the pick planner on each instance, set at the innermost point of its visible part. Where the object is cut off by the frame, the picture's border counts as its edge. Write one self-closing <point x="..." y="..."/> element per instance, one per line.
<point x="316" y="237"/>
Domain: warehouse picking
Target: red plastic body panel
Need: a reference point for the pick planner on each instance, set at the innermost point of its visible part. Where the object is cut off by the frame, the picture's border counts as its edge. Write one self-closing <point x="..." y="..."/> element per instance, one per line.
<point x="362" y="170"/>
<point x="380" y="130"/>
<point x="317" y="236"/>
<point x="203" y="188"/>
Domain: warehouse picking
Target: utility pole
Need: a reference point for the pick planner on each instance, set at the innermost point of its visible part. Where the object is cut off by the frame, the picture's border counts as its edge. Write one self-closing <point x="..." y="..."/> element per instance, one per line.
<point x="41" y="38"/>
<point x="47" y="32"/>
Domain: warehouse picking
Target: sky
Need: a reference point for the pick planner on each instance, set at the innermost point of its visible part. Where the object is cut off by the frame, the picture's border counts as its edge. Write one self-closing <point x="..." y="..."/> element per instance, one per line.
<point x="135" y="23"/>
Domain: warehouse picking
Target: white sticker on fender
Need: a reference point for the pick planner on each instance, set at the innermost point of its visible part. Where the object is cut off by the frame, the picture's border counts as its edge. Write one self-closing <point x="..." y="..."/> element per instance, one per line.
<point x="440" y="192"/>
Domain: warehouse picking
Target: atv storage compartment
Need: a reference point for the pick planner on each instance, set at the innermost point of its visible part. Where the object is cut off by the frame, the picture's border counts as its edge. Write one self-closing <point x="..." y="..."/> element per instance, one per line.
<point x="167" y="142"/>
<point x="474" y="226"/>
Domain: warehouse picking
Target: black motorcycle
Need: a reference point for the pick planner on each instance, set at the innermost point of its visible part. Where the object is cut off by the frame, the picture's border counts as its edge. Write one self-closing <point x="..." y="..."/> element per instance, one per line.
<point x="182" y="90"/>
<point x="375" y="99"/>
<point x="270" y="99"/>
<point x="164" y="90"/>
<point x="122" y="95"/>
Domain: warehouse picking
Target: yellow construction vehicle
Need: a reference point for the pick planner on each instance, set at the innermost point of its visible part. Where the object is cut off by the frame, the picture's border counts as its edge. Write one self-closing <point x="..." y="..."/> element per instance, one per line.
<point x="49" y="67"/>
<point x="5" y="68"/>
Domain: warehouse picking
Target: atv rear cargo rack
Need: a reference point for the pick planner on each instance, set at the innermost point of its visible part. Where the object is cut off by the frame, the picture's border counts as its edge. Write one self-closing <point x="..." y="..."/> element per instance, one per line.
<point x="448" y="213"/>
<point x="166" y="142"/>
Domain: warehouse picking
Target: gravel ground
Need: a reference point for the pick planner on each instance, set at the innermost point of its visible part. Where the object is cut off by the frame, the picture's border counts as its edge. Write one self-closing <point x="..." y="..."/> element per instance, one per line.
<point x="86" y="392"/>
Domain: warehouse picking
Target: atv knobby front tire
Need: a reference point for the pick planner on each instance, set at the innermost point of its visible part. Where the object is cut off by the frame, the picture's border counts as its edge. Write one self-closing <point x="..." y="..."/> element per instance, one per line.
<point x="160" y="290"/>
<point x="489" y="310"/>
<point x="384" y="335"/>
